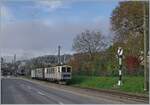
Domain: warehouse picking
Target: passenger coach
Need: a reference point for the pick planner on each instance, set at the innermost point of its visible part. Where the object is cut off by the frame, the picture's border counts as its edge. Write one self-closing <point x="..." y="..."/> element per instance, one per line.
<point x="56" y="73"/>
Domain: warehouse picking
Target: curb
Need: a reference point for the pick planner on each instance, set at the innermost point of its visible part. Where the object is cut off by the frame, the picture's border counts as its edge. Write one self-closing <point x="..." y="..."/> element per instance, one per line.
<point x="116" y="92"/>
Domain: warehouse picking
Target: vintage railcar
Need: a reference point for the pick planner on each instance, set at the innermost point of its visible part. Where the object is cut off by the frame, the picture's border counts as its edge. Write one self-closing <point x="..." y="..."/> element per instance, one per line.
<point x="60" y="73"/>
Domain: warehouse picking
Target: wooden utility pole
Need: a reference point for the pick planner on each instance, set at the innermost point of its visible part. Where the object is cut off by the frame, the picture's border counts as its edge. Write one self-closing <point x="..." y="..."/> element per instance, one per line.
<point x="146" y="81"/>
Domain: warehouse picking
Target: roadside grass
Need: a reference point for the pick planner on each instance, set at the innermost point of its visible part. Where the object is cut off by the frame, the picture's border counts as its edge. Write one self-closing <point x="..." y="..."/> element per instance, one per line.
<point x="134" y="84"/>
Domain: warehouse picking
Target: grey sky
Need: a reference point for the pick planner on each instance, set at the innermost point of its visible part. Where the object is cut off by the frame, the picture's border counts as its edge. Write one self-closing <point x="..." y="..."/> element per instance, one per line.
<point x="34" y="37"/>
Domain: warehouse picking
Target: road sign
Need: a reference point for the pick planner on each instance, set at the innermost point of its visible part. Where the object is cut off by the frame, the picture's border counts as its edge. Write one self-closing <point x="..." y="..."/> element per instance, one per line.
<point x="120" y="51"/>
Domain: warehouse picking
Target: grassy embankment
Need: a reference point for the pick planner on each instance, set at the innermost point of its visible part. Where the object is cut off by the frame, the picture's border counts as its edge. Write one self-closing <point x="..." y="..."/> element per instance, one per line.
<point x="132" y="84"/>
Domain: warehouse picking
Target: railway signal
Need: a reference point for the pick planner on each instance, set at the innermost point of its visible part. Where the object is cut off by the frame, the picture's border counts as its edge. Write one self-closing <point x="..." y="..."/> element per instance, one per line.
<point x="120" y="56"/>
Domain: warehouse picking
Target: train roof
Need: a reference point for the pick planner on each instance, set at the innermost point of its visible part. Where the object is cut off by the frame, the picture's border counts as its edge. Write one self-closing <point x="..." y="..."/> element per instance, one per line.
<point x="61" y="65"/>
<point x="53" y="66"/>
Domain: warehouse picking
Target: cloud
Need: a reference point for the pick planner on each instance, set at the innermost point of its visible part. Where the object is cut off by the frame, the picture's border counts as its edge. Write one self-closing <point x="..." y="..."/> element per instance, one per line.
<point x="50" y="5"/>
<point x="36" y="37"/>
<point x="29" y="10"/>
<point x="5" y="13"/>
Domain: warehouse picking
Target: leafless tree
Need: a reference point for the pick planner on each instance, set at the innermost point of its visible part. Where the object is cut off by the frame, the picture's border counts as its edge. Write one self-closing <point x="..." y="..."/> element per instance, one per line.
<point x="89" y="42"/>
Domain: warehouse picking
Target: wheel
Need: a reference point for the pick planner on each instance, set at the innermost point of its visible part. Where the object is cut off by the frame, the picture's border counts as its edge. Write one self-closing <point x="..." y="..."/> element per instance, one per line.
<point x="62" y="82"/>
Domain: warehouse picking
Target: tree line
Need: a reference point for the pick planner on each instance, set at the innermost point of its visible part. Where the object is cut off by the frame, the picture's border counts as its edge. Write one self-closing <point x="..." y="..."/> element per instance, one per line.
<point x="94" y="57"/>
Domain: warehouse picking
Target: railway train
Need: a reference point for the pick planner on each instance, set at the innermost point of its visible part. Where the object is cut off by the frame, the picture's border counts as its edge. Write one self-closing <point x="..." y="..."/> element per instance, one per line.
<point x="60" y="73"/>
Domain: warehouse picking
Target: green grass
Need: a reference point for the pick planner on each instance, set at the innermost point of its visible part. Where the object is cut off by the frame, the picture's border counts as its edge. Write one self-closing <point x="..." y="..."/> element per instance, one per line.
<point x="130" y="84"/>
<point x="133" y="84"/>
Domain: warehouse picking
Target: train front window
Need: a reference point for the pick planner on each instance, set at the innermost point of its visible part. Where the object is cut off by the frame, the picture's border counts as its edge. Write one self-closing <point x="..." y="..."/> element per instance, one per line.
<point x="63" y="69"/>
<point x="68" y="69"/>
<point x="58" y="69"/>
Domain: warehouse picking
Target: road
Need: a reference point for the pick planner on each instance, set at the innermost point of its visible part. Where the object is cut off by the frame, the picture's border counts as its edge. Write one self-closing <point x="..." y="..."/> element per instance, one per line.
<point x="19" y="91"/>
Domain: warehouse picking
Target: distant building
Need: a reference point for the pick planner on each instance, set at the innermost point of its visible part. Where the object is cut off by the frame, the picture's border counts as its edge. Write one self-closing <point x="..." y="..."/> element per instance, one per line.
<point x="21" y="68"/>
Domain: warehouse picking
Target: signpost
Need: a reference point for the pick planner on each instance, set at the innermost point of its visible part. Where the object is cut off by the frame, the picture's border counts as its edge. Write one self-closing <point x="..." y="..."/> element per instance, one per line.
<point x="120" y="54"/>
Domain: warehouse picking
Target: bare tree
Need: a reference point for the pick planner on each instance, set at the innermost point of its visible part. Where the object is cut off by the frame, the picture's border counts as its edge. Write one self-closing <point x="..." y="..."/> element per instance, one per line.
<point x="89" y="42"/>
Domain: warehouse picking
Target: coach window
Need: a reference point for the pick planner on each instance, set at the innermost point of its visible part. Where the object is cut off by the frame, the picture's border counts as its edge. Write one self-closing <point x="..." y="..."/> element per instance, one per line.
<point x="68" y="69"/>
<point x="63" y="69"/>
<point x="48" y="71"/>
<point x="52" y="70"/>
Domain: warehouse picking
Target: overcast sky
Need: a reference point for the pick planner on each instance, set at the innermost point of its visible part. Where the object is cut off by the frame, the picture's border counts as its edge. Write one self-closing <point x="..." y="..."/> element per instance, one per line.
<point x="36" y="27"/>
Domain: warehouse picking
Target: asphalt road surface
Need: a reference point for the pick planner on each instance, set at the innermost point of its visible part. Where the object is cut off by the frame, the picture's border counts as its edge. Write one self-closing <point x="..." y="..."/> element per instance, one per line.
<point x="19" y="91"/>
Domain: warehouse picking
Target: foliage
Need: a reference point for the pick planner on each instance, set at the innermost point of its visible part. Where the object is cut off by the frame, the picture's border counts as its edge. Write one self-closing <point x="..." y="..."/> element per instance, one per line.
<point x="102" y="64"/>
<point x="127" y="23"/>
<point x="92" y="57"/>
<point x="132" y="63"/>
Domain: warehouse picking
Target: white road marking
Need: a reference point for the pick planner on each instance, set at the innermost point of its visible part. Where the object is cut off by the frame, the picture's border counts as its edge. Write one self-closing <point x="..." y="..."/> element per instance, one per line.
<point x="46" y="95"/>
<point x="61" y="103"/>
<point x="41" y="93"/>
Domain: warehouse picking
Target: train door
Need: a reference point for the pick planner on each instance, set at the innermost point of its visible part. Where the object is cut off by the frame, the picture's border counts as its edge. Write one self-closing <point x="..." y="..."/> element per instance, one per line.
<point x="58" y="71"/>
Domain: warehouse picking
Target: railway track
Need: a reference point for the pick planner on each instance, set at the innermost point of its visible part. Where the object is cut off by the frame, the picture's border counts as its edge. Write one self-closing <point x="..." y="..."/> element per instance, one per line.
<point x="120" y="94"/>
